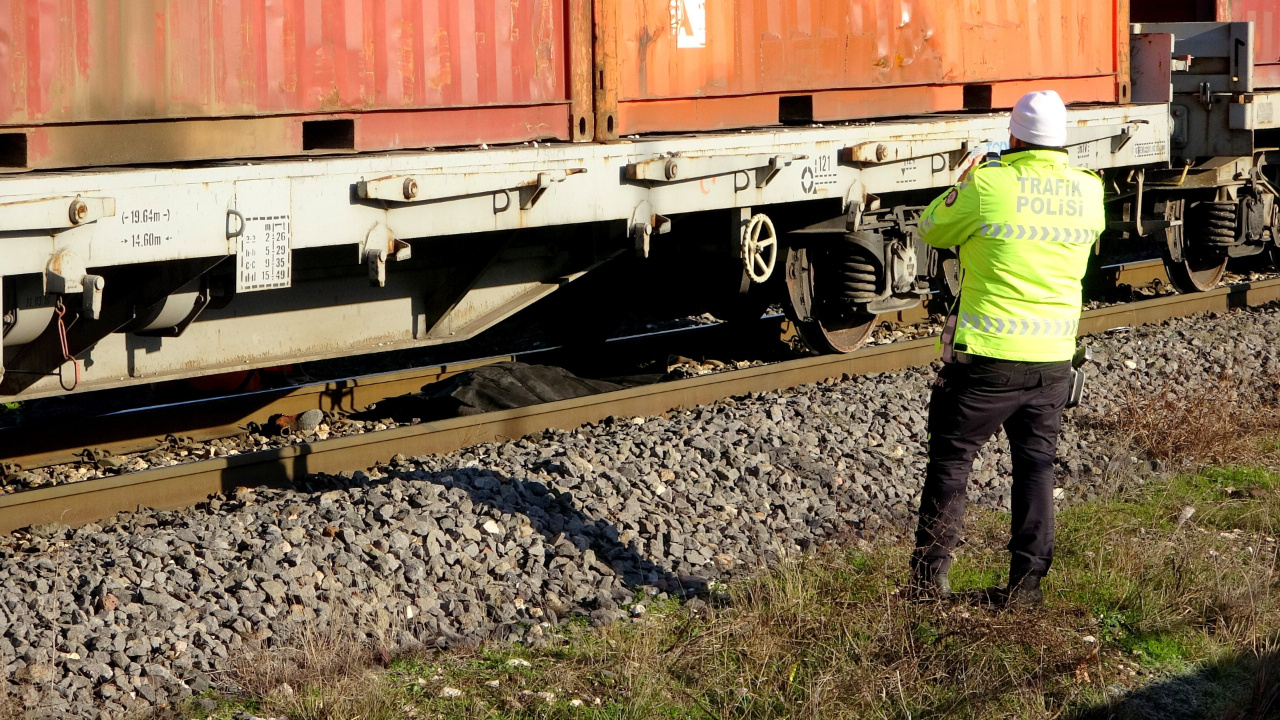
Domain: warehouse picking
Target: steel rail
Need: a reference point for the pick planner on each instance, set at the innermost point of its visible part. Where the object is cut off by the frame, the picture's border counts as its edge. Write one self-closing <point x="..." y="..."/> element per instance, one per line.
<point x="138" y="430"/>
<point x="184" y="485"/>
<point x="133" y="431"/>
<point x="1137" y="274"/>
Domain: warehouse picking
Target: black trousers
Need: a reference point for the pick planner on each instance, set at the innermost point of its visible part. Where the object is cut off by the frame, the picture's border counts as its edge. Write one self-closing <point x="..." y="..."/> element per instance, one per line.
<point x="968" y="403"/>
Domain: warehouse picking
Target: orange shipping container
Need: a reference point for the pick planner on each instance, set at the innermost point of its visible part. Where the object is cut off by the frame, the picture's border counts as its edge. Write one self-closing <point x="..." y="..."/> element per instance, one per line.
<point x="678" y="65"/>
<point x="238" y="78"/>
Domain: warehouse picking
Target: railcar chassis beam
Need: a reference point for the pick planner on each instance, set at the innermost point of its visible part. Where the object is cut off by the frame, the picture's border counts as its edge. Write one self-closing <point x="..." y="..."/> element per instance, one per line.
<point x="298" y="230"/>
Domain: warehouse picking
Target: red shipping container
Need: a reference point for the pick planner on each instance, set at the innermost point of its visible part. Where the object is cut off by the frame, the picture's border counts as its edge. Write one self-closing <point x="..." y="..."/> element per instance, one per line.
<point x="674" y="65"/>
<point x="244" y="75"/>
<point x="1264" y="14"/>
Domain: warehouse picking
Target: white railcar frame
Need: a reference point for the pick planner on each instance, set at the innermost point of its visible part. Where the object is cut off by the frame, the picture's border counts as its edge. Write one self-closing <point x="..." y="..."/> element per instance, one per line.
<point x="56" y="229"/>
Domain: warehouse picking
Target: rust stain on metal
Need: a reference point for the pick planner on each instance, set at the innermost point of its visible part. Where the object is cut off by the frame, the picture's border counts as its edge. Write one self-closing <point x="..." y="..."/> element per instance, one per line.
<point x="545" y="55"/>
<point x="605" y="69"/>
<point x="444" y="70"/>
<point x="581" y="68"/>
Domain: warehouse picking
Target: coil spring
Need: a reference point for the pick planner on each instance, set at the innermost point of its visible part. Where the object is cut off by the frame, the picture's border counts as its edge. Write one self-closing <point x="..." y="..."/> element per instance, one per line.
<point x="857" y="279"/>
<point x="1217" y="222"/>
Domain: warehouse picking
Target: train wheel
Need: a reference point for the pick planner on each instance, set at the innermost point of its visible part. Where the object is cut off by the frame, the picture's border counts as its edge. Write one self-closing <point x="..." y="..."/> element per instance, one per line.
<point x="1192" y="271"/>
<point x="822" y="334"/>
<point x="1195" y="275"/>
<point x="836" y="337"/>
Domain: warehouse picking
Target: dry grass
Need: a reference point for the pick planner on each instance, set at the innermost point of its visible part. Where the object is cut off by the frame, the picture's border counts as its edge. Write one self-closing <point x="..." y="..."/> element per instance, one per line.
<point x="1183" y="610"/>
<point x="307" y="657"/>
<point x="1215" y="425"/>
<point x="1185" y="613"/>
<point x="316" y="675"/>
<point x="827" y="637"/>
<point x="9" y="709"/>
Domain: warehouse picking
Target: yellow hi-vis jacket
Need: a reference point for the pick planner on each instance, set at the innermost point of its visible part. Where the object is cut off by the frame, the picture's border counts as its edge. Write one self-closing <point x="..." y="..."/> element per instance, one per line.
<point x="1024" y="228"/>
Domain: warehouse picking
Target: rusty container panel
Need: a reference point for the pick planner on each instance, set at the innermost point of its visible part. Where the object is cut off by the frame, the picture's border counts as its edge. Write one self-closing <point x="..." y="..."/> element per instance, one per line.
<point x="119" y="61"/>
<point x="1265" y="16"/>
<point x="706" y="64"/>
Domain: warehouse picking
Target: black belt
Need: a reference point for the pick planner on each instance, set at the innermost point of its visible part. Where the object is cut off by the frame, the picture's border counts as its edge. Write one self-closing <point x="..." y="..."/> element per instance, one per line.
<point x="1014" y="366"/>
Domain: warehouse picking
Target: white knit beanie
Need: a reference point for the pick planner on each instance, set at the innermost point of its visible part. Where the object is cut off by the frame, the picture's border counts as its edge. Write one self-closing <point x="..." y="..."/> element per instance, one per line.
<point x="1040" y="118"/>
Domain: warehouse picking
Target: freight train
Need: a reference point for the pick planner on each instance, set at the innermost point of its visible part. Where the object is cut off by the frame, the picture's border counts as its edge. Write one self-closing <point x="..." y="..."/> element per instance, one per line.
<point x="191" y="188"/>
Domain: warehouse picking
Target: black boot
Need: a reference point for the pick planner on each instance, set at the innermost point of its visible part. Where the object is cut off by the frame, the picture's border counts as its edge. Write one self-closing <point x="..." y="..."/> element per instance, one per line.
<point x="927" y="584"/>
<point x="1023" y="591"/>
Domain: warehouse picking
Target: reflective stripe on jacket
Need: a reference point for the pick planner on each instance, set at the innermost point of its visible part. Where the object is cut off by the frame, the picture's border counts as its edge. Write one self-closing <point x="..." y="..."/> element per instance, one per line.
<point x="1024" y="228"/>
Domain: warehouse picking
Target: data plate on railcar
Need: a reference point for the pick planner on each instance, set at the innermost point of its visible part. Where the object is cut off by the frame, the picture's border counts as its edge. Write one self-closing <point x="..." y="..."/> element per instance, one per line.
<point x="264" y="257"/>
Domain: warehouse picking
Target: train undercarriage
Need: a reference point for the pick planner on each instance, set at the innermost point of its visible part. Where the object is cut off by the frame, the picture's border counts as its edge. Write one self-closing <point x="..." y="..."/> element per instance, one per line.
<point x="116" y="277"/>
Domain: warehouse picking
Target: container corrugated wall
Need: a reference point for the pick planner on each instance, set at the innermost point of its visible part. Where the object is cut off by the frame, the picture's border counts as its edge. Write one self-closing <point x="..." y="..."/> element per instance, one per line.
<point x="78" y="61"/>
<point x="673" y="56"/>
<point x="110" y="60"/>
<point x="245" y="78"/>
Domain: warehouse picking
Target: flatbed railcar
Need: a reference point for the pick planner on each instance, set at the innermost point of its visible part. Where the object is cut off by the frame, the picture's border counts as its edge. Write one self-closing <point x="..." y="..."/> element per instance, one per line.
<point x="179" y="259"/>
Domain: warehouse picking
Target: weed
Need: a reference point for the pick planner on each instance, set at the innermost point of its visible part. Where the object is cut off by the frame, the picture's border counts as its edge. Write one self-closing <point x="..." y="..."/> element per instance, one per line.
<point x="9" y="708"/>
<point x="314" y="675"/>
<point x="1157" y="650"/>
<point x="1220" y="423"/>
<point x="223" y="708"/>
<point x="307" y="658"/>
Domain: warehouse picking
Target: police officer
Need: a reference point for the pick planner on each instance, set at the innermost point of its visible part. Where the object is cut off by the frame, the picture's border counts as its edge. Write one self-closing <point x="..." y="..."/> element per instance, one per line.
<point x="1024" y="228"/>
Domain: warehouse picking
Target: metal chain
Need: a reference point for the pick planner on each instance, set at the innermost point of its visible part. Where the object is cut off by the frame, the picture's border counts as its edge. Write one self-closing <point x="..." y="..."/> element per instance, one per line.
<point x="61" y="310"/>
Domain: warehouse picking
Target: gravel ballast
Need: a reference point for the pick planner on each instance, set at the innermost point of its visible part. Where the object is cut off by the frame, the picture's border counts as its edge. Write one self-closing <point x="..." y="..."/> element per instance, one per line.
<point x="498" y="541"/>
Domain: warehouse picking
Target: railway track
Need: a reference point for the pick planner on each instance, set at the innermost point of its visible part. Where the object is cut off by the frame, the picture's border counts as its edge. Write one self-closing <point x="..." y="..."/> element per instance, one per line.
<point x="132" y="431"/>
<point x="124" y="432"/>
<point x="49" y="443"/>
<point x="183" y="485"/>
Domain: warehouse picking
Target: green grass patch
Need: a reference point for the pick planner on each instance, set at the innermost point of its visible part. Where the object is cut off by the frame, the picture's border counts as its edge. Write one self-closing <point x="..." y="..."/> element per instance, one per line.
<point x="1158" y="650"/>
<point x="212" y="706"/>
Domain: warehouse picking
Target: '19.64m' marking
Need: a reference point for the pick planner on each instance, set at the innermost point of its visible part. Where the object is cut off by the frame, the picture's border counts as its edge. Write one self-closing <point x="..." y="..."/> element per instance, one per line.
<point x="144" y="217"/>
